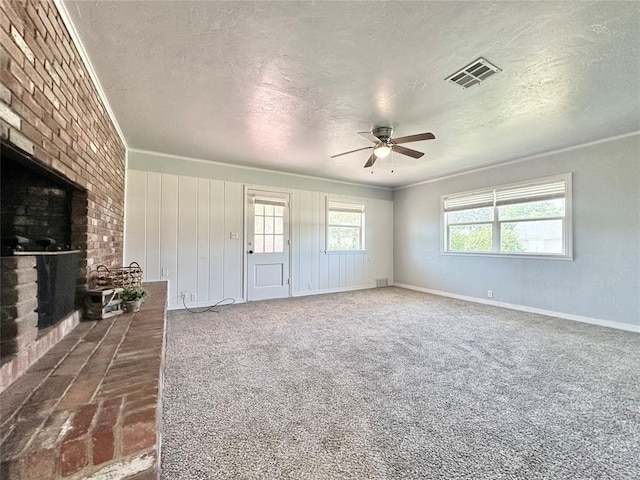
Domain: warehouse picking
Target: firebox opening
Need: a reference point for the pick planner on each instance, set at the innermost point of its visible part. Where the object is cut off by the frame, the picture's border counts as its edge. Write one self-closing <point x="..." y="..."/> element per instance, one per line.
<point x="36" y="205"/>
<point x="44" y="215"/>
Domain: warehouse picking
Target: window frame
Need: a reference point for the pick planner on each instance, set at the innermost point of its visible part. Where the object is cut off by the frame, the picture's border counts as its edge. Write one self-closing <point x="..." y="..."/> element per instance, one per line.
<point x="359" y="207"/>
<point x="567" y="221"/>
<point x="266" y="200"/>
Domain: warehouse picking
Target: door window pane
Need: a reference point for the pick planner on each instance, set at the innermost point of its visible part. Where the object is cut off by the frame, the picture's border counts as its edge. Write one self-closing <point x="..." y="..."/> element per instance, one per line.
<point x="259" y="209"/>
<point x="258" y="244"/>
<point x="278" y="211"/>
<point x="278" y="243"/>
<point x="259" y="224"/>
<point x="268" y="224"/>
<point x="268" y="243"/>
<point x="268" y="210"/>
<point x="278" y="227"/>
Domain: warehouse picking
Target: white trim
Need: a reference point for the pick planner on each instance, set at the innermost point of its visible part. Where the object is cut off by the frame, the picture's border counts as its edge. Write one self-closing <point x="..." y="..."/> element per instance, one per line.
<point x="342" y="252"/>
<point x="529" y="256"/>
<point x="75" y="38"/>
<point x="305" y="293"/>
<point x="523" y="308"/>
<point x="257" y="169"/>
<point x="492" y="165"/>
<point x="180" y="306"/>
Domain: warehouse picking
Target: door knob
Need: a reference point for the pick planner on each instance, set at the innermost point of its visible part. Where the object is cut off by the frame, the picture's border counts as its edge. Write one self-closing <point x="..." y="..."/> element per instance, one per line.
<point x="250" y="251"/>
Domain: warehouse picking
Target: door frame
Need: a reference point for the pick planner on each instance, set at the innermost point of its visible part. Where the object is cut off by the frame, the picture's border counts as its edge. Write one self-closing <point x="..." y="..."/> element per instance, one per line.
<point x="245" y="213"/>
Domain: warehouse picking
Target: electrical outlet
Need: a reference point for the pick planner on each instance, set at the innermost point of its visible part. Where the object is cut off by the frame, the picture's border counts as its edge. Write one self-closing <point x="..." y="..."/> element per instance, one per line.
<point x="489" y="293"/>
<point x="183" y="294"/>
<point x="193" y="297"/>
<point x="310" y="286"/>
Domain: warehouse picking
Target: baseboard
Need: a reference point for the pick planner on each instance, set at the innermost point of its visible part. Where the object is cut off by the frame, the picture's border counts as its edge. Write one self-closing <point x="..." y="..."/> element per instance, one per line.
<point x="180" y="306"/>
<point x="523" y="308"/>
<point x="198" y="305"/>
<point x="304" y="293"/>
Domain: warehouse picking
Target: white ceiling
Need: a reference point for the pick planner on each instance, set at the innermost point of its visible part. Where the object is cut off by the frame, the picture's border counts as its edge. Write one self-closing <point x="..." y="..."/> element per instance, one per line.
<point x="284" y="85"/>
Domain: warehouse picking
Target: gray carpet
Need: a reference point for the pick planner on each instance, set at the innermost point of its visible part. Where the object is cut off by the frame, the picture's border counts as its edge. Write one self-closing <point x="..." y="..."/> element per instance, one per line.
<point x="395" y="384"/>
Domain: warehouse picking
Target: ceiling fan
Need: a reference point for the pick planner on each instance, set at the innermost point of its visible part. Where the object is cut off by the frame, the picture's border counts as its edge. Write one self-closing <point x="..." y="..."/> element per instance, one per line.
<point x="384" y="144"/>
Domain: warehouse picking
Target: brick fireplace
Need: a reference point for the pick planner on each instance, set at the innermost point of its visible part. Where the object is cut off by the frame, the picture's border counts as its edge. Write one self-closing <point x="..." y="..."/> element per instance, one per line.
<point x="52" y="114"/>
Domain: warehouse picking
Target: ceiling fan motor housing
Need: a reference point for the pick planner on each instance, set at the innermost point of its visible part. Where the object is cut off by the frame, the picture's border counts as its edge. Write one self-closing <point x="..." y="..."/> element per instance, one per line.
<point x="383" y="133"/>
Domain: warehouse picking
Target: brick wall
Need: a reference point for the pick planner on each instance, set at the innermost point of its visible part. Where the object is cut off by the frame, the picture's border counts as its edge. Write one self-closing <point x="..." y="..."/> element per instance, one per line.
<point x="50" y="108"/>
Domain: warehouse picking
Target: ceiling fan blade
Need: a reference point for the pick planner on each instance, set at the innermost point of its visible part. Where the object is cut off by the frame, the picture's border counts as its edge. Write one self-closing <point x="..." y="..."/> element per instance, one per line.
<point x="407" y="151"/>
<point x="350" y="151"/>
<point x="371" y="161"/>
<point x="414" y="138"/>
<point x="370" y="136"/>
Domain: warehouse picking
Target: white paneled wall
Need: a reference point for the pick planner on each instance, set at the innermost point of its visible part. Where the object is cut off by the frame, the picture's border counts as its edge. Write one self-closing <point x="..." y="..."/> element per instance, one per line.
<point x="315" y="271"/>
<point x="190" y="231"/>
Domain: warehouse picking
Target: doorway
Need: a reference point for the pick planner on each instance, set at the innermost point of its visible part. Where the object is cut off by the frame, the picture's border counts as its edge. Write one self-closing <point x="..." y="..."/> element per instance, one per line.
<point x="268" y="245"/>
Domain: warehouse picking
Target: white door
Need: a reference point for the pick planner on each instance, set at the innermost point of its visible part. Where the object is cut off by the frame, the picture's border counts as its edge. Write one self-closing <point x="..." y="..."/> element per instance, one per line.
<point x="267" y="245"/>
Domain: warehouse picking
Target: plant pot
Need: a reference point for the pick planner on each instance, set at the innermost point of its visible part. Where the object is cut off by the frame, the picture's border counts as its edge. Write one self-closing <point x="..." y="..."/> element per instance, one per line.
<point x="133" y="305"/>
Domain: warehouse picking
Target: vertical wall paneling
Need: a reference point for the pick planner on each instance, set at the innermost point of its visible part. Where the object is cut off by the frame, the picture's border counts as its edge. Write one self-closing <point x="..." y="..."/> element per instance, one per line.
<point x="304" y="239"/>
<point x="334" y="271"/>
<point x="344" y="258"/>
<point x="187" y="236"/>
<point x="203" y="247"/>
<point x="315" y="241"/>
<point x="323" y="259"/>
<point x="349" y="269"/>
<point x="135" y="217"/>
<point x="151" y="265"/>
<point x="217" y="236"/>
<point x="294" y="220"/>
<point x="233" y="247"/>
<point x="359" y="277"/>
<point x="169" y="235"/>
<point x="190" y="231"/>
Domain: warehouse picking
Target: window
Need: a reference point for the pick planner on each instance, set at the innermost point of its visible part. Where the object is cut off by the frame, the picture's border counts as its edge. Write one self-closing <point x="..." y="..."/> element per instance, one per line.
<point x="526" y="219"/>
<point x="345" y="225"/>
<point x="268" y="224"/>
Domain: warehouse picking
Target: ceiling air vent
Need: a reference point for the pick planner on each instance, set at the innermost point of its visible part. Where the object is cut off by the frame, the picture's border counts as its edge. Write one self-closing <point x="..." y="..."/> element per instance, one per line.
<point x="473" y="73"/>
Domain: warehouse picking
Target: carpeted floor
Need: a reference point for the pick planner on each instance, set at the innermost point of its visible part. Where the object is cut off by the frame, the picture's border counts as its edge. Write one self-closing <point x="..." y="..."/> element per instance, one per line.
<point x="394" y="384"/>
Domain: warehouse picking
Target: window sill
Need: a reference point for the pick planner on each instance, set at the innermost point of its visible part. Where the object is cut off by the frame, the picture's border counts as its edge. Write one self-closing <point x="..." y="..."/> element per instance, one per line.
<point x="528" y="256"/>
<point x="341" y="252"/>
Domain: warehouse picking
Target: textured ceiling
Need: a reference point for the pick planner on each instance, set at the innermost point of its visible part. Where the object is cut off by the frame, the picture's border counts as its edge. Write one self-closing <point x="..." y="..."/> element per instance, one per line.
<point x="285" y="85"/>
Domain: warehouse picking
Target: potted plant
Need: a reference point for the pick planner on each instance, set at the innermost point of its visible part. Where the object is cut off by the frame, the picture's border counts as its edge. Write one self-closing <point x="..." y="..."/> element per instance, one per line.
<point x="133" y="297"/>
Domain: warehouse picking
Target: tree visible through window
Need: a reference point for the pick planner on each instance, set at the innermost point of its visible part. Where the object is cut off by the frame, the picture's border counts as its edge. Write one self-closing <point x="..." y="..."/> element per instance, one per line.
<point x="345" y="226"/>
<point x="515" y="219"/>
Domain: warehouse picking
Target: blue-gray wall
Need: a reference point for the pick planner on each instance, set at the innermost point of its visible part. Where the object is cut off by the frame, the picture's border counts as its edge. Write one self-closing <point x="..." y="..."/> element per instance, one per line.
<point x="603" y="280"/>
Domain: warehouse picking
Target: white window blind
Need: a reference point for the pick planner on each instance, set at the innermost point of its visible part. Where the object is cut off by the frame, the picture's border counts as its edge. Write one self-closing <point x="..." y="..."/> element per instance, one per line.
<point x="275" y="201"/>
<point x="506" y="196"/>
<point x="346" y="207"/>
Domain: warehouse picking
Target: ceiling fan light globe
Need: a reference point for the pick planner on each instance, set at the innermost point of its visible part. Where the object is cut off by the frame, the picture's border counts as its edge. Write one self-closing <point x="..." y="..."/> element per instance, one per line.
<point x="382" y="151"/>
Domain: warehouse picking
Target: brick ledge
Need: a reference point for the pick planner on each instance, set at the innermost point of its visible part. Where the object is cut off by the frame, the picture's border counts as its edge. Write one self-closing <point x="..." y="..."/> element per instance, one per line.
<point x="11" y="370"/>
